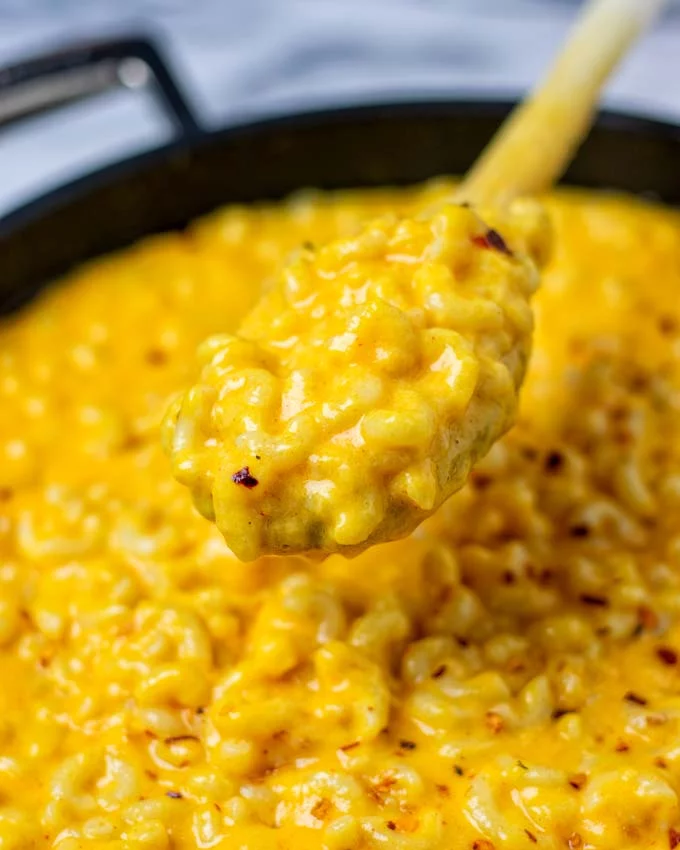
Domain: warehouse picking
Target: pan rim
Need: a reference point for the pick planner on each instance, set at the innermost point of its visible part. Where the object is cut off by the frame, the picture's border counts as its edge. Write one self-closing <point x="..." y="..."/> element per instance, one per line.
<point x="629" y="123"/>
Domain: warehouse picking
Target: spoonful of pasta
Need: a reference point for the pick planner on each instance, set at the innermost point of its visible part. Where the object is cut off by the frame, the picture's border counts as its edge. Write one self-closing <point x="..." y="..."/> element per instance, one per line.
<point x="366" y="383"/>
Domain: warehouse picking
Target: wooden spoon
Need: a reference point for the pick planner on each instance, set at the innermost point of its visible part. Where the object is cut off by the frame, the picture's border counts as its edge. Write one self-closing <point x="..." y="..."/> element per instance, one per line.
<point x="537" y="142"/>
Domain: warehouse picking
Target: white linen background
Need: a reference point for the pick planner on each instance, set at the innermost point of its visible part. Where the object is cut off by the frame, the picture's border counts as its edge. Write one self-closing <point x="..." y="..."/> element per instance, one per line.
<point x="241" y="58"/>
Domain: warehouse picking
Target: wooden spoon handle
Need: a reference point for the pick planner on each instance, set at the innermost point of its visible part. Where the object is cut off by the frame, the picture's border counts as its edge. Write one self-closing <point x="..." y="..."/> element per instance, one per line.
<point x="537" y="142"/>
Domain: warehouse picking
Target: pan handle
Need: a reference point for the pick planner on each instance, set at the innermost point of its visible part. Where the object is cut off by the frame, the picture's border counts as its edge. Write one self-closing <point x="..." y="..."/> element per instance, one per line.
<point x="75" y="73"/>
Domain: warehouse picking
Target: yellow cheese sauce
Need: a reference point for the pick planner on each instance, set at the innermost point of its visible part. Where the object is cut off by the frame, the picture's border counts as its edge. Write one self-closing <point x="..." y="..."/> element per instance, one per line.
<point x="508" y="676"/>
<point x="364" y="385"/>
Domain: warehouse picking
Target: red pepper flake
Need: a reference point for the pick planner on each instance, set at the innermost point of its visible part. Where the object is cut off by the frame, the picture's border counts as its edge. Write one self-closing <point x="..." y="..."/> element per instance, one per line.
<point x="482" y="844"/>
<point x="531" y="836"/>
<point x="515" y="664"/>
<point x="661" y="762"/>
<point x="509" y="577"/>
<point x="439" y="672"/>
<point x="622" y="747"/>
<point x="554" y="461"/>
<point x="322" y="808"/>
<point x="458" y="770"/>
<point x="391" y="825"/>
<point x="630" y="696"/>
<point x="494" y="721"/>
<point x="648" y="618"/>
<point x="244" y="478"/>
<point x="352" y="746"/>
<point x="497" y="242"/>
<point x="407" y="745"/>
<point x="580" y="530"/>
<point x="575" y="842"/>
<point x="673" y="838"/>
<point x="444" y="790"/>
<point x="480" y="481"/>
<point x="380" y="790"/>
<point x="492" y="240"/>
<point x="578" y="780"/>
<point x="594" y="599"/>
<point x="667" y="655"/>
<point x="174" y="795"/>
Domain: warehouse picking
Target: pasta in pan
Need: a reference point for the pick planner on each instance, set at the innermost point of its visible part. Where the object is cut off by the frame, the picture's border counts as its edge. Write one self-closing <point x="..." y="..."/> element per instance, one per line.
<point x="507" y="676"/>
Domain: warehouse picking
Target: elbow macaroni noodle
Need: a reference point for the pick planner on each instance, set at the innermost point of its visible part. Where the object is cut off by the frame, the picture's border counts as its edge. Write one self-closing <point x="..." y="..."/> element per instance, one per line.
<point x="505" y="676"/>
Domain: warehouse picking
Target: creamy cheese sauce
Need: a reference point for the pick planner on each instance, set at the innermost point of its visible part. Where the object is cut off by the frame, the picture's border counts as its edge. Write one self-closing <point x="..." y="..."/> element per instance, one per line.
<point x="506" y="676"/>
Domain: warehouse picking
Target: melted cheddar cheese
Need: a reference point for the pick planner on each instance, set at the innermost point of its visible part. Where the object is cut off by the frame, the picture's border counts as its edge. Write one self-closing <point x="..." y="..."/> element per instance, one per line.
<point x="507" y="676"/>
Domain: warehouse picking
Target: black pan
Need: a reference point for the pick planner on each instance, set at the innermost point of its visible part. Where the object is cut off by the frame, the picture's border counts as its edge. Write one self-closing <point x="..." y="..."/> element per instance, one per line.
<point x="357" y="146"/>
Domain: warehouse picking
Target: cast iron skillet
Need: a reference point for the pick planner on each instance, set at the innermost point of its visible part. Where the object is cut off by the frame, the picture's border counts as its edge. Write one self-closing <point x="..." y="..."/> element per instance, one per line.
<point x="356" y="146"/>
